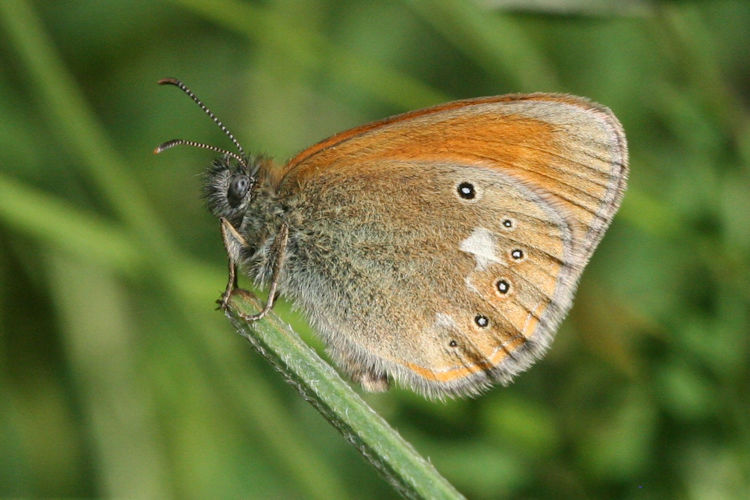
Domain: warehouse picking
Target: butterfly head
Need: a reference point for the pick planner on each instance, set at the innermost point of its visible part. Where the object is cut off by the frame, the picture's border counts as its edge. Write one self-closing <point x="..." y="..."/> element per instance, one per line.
<point x="231" y="180"/>
<point x="229" y="187"/>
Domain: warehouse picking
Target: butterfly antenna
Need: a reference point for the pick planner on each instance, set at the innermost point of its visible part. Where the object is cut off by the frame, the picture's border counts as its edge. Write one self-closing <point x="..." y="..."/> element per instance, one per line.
<point x="184" y="142"/>
<point x="177" y="83"/>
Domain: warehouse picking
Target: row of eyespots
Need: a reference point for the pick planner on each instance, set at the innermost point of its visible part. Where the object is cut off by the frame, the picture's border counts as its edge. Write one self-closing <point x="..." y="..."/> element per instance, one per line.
<point x="481" y="321"/>
<point x="467" y="191"/>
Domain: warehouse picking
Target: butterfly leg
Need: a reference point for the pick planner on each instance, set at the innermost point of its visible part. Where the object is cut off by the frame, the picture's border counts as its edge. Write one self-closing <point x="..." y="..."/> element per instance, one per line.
<point x="278" y="250"/>
<point x="231" y="286"/>
<point x="233" y="243"/>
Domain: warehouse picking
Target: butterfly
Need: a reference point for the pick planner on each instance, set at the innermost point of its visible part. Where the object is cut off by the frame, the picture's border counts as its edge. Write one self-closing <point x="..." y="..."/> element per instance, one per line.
<point x="440" y="248"/>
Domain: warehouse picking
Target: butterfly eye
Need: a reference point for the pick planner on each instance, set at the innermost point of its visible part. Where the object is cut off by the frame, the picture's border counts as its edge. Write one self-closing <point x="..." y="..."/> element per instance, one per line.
<point x="238" y="188"/>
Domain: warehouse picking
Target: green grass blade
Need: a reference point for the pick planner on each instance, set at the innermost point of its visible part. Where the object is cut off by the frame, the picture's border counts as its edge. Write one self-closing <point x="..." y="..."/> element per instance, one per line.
<point x="394" y="458"/>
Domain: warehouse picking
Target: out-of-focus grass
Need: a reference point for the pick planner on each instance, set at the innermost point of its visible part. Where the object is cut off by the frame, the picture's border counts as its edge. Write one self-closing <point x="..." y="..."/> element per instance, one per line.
<point x="117" y="378"/>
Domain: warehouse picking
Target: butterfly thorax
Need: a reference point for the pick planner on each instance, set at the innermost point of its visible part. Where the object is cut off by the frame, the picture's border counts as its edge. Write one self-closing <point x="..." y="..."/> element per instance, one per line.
<point x="261" y="222"/>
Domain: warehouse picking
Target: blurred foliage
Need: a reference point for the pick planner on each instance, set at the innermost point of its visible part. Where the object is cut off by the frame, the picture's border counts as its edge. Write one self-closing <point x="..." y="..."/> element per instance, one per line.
<point x="117" y="377"/>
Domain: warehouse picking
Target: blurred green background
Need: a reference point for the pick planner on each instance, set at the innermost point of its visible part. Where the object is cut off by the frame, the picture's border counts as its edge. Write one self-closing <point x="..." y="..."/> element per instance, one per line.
<point x="118" y="377"/>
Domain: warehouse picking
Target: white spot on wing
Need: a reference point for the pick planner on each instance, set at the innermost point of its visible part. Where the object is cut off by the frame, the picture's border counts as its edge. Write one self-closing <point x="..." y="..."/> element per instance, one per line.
<point x="482" y="246"/>
<point x="443" y="320"/>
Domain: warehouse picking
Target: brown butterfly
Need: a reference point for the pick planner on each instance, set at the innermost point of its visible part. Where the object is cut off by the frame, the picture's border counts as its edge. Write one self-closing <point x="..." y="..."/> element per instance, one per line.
<point x="441" y="247"/>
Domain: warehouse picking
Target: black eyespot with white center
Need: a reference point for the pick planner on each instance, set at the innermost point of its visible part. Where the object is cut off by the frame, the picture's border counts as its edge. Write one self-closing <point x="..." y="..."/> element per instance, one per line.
<point x="517" y="254"/>
<point x="453" y="343"/>
<point x="503" y="286"/>
<point x="481" y="321"/>
<point x="466" y="191"/>
<point x="508" y="223"/>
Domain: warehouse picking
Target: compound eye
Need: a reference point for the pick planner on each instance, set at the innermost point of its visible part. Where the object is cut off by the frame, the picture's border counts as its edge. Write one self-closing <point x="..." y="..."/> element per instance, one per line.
<point x="238" y="187"/>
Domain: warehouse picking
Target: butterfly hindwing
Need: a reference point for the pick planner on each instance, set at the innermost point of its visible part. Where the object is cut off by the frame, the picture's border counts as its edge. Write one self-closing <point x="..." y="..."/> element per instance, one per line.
<point x="444" y="245"/>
